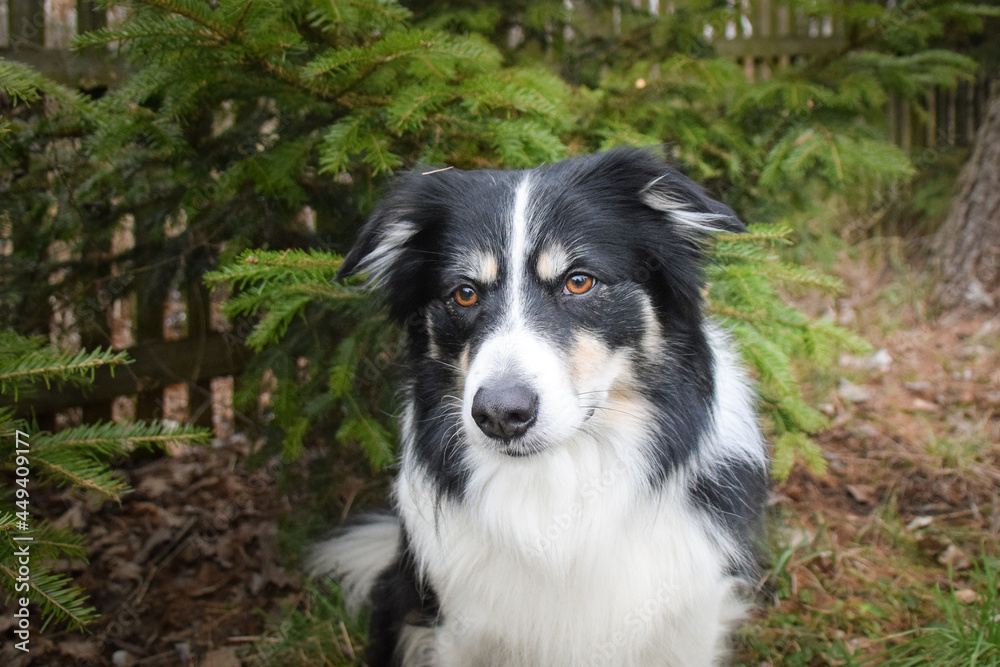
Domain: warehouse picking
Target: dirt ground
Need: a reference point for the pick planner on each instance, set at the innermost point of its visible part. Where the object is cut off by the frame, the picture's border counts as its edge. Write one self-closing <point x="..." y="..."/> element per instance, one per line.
<point x="187" y="571"/>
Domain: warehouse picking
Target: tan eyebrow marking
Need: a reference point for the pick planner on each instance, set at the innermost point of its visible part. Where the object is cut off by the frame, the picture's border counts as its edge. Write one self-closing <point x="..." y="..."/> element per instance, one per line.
<point x="552" y="263"/>
<point x="481" y="266"/>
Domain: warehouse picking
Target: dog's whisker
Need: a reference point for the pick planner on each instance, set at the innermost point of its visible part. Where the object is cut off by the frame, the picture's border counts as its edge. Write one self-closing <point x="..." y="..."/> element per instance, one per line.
<point x="444" y="363"/>
<point x="606" y="408"/>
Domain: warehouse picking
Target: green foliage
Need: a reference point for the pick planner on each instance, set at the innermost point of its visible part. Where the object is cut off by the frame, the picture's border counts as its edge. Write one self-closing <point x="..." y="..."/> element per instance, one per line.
<point x="764" y="142"/>
<point x="235" y="116"/>
<point x="968" y="634"/>
<point x="24" y="85"/>
<point x="773" y="335"/>
<point x="273" y="125"/>
<point x="318" y="632"/>
<point x="79" y="457"/>
<point x="280" y="288"/>
<point x="24" y="361"/>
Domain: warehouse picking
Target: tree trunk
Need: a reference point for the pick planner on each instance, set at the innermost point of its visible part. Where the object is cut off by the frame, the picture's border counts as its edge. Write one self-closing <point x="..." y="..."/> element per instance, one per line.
<point x="967" y="247"/>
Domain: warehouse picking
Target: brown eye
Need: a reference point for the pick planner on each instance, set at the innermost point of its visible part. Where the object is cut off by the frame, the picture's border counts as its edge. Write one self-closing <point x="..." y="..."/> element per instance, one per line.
<point x="580" y="283"/>
<point x="465" y="296"/>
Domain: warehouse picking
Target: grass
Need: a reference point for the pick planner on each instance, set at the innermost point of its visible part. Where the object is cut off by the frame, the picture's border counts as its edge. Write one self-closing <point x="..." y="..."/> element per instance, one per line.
<point x="963" y="453"/>
<point x="879" y="601"/>
<point x="319" y="631"/>
<point x="968" y="634"/>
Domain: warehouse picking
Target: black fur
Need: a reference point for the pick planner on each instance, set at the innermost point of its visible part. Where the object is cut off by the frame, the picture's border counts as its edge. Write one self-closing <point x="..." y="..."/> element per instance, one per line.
<point x="398" y="599"/>
<point x="580" y="199"/>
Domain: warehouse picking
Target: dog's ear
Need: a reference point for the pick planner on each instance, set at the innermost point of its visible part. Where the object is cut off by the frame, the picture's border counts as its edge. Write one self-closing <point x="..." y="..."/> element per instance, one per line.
<point x="671" y="216"/>
<point x="380" y="246"/>
<point x="687" y="205"/>
<point x="392" y="245"/>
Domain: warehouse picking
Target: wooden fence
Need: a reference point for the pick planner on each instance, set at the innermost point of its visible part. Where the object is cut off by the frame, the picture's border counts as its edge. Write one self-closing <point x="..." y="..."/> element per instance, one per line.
<point x="184" y="356"/>
<point x="768" y="35"/>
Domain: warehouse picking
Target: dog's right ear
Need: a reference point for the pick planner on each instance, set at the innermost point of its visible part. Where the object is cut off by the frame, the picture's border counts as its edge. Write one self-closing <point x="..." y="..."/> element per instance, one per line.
<point x="391" y="246"/>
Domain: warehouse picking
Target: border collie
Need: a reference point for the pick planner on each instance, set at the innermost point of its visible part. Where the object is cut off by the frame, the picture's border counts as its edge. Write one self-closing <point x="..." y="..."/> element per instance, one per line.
<point x="582" y="474"/>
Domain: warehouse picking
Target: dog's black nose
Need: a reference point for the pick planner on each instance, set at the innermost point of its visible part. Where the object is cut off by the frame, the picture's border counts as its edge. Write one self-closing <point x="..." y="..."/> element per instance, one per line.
<point x="505" y="410"/>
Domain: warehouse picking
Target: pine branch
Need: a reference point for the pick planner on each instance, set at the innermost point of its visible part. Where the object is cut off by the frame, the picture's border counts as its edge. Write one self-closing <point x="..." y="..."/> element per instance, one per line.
<point x="374" y="438"/>
<point x="150" y="27"/>
<point x="774" y="233"/>
<point x="196" y="10"/>
<point x="792" y="446"/>
<point x="80" y="471"/>
<point x="51" y="543"/>
<point x="112" y="438"/>
<point x="49" y="365"/>
<point x="259" y="266"/>
<point x="24" y="85"/>
<point x="59" y="599"/>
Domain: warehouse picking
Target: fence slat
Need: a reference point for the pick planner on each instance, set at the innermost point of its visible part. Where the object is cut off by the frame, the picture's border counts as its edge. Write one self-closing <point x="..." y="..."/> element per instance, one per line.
<point x="89" y="16"/>
<point x="26" y="21"/>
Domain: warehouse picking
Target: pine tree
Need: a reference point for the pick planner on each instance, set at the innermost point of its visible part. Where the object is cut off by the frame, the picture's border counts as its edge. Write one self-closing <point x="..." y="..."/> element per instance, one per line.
<point x="79" y="457"/>
<point x="771" y="146"/>
<point x="240" y="120"/>
<point x="234" y="118"/>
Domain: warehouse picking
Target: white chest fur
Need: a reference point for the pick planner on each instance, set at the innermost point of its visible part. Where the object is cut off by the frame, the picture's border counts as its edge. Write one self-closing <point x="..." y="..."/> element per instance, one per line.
<point x="564" y="559"/>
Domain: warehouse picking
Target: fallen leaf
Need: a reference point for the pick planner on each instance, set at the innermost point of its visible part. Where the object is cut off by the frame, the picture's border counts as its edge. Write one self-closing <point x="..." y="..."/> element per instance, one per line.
<point x="152" y="487"/>
<point x="967" y="595"/>
<point x="919" y="387"/>
<point x="854" y="393"/>
<point x="862" y="493"/>
<point x="880" y="361"/>
<point x="918" y="522"/>
<point x="921" y="405"/>
<point x="954" y="557"/>
<point x="82" y="650"/>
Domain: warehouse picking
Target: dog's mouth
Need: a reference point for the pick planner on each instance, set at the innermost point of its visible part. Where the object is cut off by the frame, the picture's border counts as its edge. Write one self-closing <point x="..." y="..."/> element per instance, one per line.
<point x="521" y="448"/>
<point x="517" y="452"/>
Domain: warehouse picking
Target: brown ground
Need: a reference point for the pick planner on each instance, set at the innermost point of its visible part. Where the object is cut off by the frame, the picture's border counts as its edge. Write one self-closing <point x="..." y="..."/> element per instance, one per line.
<point x="187" y="570"/>
<point x="909" y="501"/>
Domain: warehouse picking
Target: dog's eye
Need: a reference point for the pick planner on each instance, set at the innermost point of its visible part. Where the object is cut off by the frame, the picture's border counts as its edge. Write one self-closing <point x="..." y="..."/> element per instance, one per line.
<point x="465" y="296"/>
<point x="580" y="283"/>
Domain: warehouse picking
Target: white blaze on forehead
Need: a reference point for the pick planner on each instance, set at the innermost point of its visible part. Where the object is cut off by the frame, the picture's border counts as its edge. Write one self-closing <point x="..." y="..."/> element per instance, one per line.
<point x="519" y="245"/>
<point x="553" y="262"/>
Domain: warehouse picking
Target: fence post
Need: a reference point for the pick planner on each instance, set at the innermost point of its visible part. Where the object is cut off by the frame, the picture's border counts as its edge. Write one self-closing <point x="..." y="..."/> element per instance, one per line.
<point x="26" y="23"/>
<point x="89" y="16"/>
<point x="200" y="404"/>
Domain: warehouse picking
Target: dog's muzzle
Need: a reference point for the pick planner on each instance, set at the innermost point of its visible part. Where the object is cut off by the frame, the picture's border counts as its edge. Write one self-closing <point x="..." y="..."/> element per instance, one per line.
<point x="505" y="409"/>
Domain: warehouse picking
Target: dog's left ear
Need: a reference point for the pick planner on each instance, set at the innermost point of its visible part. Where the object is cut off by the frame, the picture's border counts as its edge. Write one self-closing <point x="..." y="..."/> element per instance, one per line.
<point x="391" y="246"/>
<point x="384" y="237"/>
<point x="687" y="205"/>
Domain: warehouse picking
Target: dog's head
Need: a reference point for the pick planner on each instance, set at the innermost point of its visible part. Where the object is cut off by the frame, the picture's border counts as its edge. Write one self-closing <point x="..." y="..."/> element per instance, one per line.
<point x="538" y="301"/>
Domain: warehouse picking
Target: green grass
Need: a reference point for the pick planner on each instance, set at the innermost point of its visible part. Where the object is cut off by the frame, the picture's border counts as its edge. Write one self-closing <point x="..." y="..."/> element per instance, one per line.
<point x="964" y="453"/>
<point x="968" y="634"/>
<point x="318" y="631"/>
<point x="824" y="604"/>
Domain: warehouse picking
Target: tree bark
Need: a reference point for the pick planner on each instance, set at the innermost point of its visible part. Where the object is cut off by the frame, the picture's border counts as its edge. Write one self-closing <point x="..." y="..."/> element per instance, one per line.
<point x="967" y="247"/>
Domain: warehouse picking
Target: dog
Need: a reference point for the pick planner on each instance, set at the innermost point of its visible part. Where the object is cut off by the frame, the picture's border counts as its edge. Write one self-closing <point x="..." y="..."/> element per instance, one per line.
<point x="582" y="475"/>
